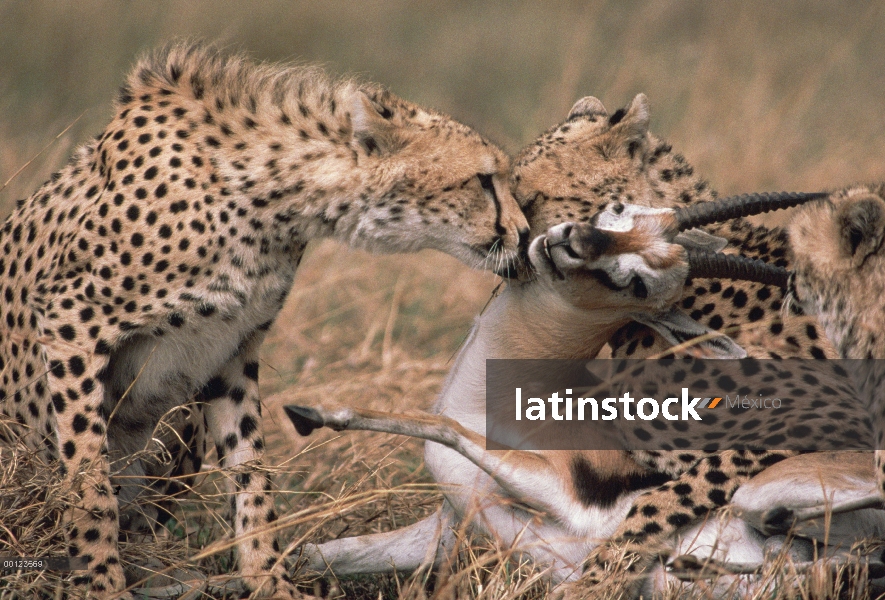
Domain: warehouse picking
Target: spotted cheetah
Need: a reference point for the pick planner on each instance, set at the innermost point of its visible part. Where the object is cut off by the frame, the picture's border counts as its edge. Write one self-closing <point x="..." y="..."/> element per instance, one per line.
<point x="594" y="158"/>
<point x="146" y="272"/>
<point x="839" y="276"/>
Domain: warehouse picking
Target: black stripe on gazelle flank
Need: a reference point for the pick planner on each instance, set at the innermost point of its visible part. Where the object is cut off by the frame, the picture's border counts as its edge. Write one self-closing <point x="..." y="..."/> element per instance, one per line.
<point x="593" y="489"/>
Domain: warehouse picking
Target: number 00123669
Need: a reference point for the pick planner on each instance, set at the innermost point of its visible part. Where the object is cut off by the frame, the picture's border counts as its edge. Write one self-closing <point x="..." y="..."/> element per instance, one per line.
<point x="55" y="563"/>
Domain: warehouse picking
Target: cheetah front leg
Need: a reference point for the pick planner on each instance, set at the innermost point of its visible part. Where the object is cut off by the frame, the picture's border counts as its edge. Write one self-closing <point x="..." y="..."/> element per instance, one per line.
<point x="658" y="514"/>
<point x="233" y="411"/>
<point x="92" y="520"/>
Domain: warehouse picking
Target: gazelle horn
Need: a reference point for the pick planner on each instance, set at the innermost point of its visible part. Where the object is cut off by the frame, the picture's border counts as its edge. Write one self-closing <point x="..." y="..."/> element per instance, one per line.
<point x="716" y="211"/>
<point x="716" y="265"/>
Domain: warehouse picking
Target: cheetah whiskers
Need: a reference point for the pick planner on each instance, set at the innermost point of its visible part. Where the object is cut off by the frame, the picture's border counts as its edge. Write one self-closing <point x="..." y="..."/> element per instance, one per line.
<point x="120" y="326"/>
<point x="500" y="257"/>
<point x="491" y="256"/>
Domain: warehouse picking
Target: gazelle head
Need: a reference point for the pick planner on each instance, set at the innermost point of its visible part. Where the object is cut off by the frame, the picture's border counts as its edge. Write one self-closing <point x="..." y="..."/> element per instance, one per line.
<point x="632" y="261"/>
<point x="590" y="265"/>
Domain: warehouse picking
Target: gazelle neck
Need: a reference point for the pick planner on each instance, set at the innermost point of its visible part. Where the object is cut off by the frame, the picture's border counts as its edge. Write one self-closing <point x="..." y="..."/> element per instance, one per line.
<point x="527" y="321"/>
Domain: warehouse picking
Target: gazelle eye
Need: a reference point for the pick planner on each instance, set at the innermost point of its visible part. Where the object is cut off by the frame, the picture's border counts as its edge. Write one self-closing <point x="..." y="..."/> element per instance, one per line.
<point x="486" y="182"/>
<point x="617" y="208"/>
<point x="639" y="289"/>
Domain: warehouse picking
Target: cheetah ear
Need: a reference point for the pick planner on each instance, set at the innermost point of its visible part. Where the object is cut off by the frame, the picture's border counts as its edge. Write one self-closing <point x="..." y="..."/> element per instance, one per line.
<point x="678" y="328"/>
<point x="373" y="129"/>
<point x="632" y="120"/>
<point x="629" y="128"/>
<point x="862" y="224"/>
<point x="586" y="106"/>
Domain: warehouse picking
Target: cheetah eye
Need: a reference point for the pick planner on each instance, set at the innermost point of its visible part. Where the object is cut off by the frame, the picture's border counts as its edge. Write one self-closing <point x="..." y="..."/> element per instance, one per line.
<point x="530" y="203"/>
<point x="486" y="182"/>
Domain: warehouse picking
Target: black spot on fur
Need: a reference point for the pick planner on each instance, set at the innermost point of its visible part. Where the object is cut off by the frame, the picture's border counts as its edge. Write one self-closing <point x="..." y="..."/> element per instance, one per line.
<point x="250" y="371"/>
<point x="214" y="388"/>
<point x="617" y="116"/>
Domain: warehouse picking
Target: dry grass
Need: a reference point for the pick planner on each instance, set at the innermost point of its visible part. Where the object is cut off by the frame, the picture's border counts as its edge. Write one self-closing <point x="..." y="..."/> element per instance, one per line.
<point x="758" y="96"/>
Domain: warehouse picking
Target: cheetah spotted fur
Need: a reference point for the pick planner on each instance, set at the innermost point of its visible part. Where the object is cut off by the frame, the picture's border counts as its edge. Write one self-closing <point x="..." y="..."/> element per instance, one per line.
<point x="145" y="274"/>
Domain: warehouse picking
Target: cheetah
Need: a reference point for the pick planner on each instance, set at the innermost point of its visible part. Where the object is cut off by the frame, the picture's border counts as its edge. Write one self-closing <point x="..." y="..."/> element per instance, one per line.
<point x="145" y="273"/>
<point x="839" y="276"/>
<point x="594" y="158"/>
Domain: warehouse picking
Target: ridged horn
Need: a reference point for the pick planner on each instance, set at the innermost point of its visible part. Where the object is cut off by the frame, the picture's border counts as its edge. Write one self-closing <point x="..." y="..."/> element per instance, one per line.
<point x="715" y="265"/>
<point x="716" y="211"/>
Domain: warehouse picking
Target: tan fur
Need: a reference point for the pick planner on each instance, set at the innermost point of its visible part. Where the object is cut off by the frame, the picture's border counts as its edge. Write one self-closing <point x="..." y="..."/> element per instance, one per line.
<point x="559" y="507"/>
<point x="586" y="162"/>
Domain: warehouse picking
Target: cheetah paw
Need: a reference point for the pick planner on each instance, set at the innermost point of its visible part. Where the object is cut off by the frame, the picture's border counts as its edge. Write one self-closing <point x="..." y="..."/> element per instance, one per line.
<point x="275" y="584"/>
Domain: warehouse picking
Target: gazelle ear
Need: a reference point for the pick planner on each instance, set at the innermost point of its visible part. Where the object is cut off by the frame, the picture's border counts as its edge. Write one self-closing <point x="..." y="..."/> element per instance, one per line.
<point x="588" y="105"/>
<point x="372" y="121"/>
<point x="862" y="227"/>
<point x="678" y="328"/>
<point x="698" y="239"/>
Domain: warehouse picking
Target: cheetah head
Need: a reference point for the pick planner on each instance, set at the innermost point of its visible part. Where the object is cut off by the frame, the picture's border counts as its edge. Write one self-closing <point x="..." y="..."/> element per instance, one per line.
<point x="591" y="159"/>
<point x="839" y="261"/>
<point x="436" y="183"/>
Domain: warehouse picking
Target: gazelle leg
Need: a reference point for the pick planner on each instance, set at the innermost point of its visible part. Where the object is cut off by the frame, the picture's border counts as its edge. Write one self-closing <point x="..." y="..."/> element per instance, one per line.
<point x="822" y="484"/>
<point x="528" y="476"/>
<point x="406" y="549"/>
<point x="781" y="518"/>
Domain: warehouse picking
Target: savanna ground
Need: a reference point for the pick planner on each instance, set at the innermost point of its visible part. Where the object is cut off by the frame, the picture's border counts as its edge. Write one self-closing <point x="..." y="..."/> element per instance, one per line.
<point x="757" y="95"/>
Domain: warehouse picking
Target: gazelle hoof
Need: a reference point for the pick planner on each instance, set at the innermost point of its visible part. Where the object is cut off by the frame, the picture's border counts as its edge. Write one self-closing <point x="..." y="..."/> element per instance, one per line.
<point x="778" y="520"/>
<point x="304" y="418"/>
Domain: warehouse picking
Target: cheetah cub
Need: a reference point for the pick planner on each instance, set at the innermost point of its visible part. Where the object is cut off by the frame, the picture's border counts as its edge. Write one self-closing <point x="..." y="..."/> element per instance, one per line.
<point x="147" y="271"/>
<point x="839" y="276"/>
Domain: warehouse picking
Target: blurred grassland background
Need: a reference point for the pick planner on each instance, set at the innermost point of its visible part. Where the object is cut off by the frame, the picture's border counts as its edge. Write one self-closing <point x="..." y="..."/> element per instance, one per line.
<point x="758" y="95"/>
